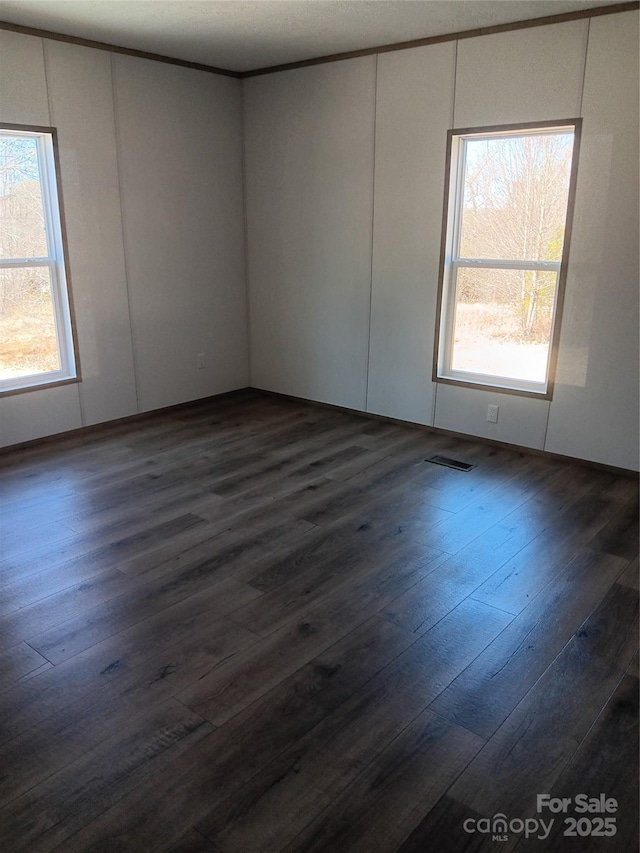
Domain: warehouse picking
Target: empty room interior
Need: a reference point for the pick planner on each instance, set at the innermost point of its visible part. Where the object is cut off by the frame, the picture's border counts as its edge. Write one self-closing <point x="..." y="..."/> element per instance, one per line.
<point x="319" y="437"/>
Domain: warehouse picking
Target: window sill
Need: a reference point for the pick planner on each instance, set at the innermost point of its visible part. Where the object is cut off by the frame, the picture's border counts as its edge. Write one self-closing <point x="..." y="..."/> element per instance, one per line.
<point x="495" y="389"/>
<point x="40" y="386"/>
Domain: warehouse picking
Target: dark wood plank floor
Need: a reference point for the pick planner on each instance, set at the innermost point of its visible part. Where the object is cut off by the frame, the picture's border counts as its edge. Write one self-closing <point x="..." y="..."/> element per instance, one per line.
<point x="256" y="625"/>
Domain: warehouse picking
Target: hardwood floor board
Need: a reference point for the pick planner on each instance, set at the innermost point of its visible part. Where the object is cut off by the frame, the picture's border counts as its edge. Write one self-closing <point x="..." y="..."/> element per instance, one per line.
<point x="631" y="577"/>
<point x="112" y="659"/>
<point x="462" y="574"/>
<point x="447" y="489"/>
<point x="442" y="830"/>
<point x="96" y="487"/>
<point x="300" y="466"/>
<point x="179" y="465"/>
<point x="281" y="443"/>
<point x="260" y="517"/>
<point x="407" y="505"/>
<point x="535" y="743"/>
<point x="168" y="504"/>
<point x="172" y="627"/>
<point x="303" y="500"/>
<point x="386" y="802"/>
<point x="14" y="543"/>
<point x="83" y="724"/>
<point x="496" y="469"/>
<point x="283" y="585"/>
<point x="187" y="430"/>
<point x="243" y="679"/>
<point x="323" y="576"/>
<point x="305" y="468"/>
<point x="276" y="443"/>
<point x="122" y="540"/>
<point x="360" y="464"/>
<point x="231" y="510"/>
<point x="395" y="472"/>
<point x="620" y="535"/>
<point x="346" y="540"/>
<point x="54" y="466"/>
<point x="298" y="785"/>
<point x="484" y="695"/>
<point x="192" y="842"/>
<point x="167" y="547"/>
<point x="388" y="447"/>
<point x="74" y="603"/>
<point x="29" y="513"/>
<point x="264" y="489"/>
<point x="522" y="578"/>
<point x="334" y="462"/>
<point x="403" y="467"/>
<point x="17" y="661"/>
<point x="596" y="768"/>
<point x="461" y="528"/>
<point x="349" y="500"/>
<point x="262" y="528"/>
<point x="27" y="590"/>
<point x="149" y="597"/>
<point x="231" y="755"/>
<point x="34" y="672"/>
<point x="380" y="434"/>
<point x="64" y="468"/>
<point x="423" y="444"/>
<point x="402" y="449"/>
<point x="213" y="438"/>
<point x="83" y="789"/>
<point x="422" y="606"/>
<point x="51" y="690"/>
<point x="428" y="664"/>
<point x="235" y="549"/>
<point x="310" y="427"/>
<point x="180" y="460"/>
<point x="410" y="449"/>
<point x="73" y="459"/>
<point x="407" y="509"/>
<point x="562" y="492"/>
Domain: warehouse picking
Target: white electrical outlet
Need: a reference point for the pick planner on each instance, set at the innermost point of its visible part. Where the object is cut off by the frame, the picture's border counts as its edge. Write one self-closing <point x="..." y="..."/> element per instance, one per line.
<point x="201" y="361"/>
<point x="492" y="414"/>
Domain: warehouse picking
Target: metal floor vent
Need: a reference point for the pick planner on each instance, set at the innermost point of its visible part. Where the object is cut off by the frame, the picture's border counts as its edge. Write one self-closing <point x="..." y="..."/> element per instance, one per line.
<point x="450" y="463"/>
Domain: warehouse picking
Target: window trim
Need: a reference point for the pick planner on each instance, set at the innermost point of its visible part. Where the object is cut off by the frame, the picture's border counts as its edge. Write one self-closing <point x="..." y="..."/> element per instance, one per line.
<point x="58" y="263"/>
<point x="450" y="228"/>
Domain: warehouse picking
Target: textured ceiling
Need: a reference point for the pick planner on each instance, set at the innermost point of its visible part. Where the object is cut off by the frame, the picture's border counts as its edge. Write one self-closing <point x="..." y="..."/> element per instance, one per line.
<point x="242" y="35"/>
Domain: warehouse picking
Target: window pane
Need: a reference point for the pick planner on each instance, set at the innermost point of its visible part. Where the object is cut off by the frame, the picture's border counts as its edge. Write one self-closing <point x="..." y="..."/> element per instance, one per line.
<point x="22" y="228"/>
<point x="503" y="322"/>
<point x="28" y="342"/>
<point x="515" y="197"/>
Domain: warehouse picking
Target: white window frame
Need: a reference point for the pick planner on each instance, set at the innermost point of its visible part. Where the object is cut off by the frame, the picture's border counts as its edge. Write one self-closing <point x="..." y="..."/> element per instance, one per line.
<point x="46" y="140"/>
<point x="451" y="261"/>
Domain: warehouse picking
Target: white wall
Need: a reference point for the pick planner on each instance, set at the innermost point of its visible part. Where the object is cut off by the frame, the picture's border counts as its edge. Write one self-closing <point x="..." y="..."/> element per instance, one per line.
<point x="413" y="112"/>
<point x="180" y="156"/>
<point x="587" y="68"/>
<point x="154" y="287"/>
<point x="594" y="414"/>
<point x="309" y="186"/>
<point x="85" y="118"/>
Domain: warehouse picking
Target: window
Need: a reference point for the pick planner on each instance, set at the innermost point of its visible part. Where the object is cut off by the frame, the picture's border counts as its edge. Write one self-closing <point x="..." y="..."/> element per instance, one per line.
<point x="36" y="337"/>
<point x="504" y="254"/>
